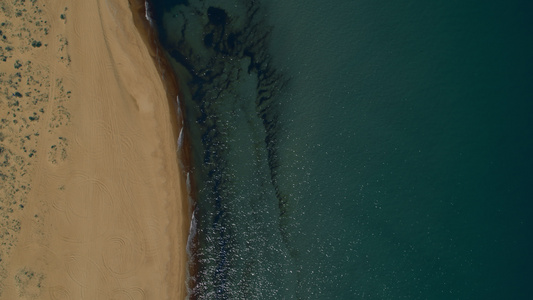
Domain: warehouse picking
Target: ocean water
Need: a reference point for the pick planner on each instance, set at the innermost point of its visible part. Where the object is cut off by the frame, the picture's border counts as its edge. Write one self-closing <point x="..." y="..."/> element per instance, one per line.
<point x="357" y="149"/>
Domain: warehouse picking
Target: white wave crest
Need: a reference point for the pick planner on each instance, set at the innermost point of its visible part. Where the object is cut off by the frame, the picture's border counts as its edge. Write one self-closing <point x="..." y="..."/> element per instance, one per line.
<point x="180" y="140"/>
<point x="147" y="13"/>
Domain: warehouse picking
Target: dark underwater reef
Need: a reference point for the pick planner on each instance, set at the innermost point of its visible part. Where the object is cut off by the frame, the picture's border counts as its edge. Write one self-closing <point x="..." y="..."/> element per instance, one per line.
<point x="221" y="46"/>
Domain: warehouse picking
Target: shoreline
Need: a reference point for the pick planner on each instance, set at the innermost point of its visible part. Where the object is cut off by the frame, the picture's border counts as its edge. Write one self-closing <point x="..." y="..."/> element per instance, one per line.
<point x="171" y="82"/>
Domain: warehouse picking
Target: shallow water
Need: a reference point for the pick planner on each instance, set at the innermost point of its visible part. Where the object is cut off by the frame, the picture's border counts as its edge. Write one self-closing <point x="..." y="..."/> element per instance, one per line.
<point x="357" y="150"/>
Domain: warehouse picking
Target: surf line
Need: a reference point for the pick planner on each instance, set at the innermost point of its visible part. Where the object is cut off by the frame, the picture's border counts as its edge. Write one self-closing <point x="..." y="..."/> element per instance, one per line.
<point x="142" y="17"/>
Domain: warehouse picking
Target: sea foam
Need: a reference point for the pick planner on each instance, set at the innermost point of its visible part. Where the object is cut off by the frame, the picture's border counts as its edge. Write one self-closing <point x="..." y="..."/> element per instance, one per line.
<point x="147" y="13"/>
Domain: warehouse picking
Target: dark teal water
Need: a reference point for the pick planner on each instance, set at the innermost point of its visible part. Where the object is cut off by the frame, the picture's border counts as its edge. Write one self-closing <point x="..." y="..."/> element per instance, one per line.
<point x="358" y="149"/>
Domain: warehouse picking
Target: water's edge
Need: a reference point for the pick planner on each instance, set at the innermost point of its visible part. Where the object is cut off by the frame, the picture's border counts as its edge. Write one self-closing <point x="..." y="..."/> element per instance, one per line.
<point x="141" y="17"/>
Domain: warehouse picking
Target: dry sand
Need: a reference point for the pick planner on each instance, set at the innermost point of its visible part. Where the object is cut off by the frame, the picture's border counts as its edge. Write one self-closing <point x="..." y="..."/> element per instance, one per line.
<point x="92" y="203"/>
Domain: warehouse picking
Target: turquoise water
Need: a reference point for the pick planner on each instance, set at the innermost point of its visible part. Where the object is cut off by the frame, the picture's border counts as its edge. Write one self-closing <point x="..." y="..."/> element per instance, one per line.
<point x="356" y="149"/>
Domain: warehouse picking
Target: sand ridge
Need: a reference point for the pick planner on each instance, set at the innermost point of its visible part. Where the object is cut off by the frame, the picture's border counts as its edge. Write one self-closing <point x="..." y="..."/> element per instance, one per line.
<point x="96" y="197"/>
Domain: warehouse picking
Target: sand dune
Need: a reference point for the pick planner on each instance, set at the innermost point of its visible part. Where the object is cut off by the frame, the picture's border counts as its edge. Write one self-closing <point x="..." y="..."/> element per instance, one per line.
<point x="93" y="203"/>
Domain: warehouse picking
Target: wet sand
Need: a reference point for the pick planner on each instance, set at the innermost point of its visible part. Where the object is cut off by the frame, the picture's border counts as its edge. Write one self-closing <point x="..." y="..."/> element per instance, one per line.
<point x="93" y="199"/>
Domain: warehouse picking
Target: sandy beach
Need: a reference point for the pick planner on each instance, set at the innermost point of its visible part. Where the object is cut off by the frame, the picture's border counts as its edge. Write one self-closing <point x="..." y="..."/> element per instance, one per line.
<point x="93" y="204"/>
